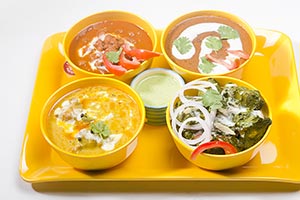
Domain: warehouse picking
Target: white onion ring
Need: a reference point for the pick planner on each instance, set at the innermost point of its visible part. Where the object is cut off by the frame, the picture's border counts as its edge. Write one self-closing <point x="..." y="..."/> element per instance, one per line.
<point x="206" y="124"/>
<point x="196" y="84"/>
<point x="181" y="92"/>
<point x="202" y="83"/>
<point x="205" y="137"/>
<point x="197" y="105"/>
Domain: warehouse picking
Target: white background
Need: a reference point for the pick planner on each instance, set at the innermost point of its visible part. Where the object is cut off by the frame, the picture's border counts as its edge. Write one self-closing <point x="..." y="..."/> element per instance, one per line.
<point x="24" y="26"/>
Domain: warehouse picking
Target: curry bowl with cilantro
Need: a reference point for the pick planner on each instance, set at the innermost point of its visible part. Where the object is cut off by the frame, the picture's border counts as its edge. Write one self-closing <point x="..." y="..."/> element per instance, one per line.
<point x="93" y="123"/>
<point x="205" y="43"/>
<point x="115" y="44"/>
<point x="219" y="122"/>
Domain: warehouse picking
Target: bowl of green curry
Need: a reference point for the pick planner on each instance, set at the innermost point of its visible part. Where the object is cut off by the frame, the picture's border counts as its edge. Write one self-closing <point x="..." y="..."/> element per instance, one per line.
<point x="219" y="122"/>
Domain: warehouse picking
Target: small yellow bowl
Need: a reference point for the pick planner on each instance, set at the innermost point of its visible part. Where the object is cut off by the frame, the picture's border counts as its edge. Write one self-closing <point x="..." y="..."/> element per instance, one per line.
<point x="227" y="161"/>
<point x="111" y="15"/>
<point x="187" y="74"/>
<point x="104" y="160"/>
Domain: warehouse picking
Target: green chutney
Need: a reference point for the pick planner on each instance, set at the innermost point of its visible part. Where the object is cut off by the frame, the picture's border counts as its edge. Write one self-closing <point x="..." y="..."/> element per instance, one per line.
<point x="156" y="90"/>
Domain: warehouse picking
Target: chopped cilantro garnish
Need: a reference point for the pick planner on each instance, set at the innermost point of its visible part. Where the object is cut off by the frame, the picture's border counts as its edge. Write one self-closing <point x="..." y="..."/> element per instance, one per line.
<point x="182" y="44"/>
<point x="213" y="43"/>
<point x="227" y="32"/>
<point x="212" y="99"/>
<point x="101" y="129"/>
<point x="86" y="118"/>
<point x="113" y="56"/>
<point x="206" y="66"/>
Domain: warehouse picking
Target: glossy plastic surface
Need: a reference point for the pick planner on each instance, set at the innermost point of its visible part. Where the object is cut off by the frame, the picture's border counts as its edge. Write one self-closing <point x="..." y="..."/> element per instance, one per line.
<point x="156" y="158"/>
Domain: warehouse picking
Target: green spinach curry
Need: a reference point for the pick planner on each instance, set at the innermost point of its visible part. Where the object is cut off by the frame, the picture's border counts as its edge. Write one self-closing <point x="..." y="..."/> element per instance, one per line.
<point x="233" y="117"/>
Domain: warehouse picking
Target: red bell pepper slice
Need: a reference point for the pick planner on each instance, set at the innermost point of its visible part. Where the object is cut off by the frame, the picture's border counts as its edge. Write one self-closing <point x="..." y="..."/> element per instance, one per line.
<point x="233" y="64"/>
<point x="228" y="148"/>
<point x="239" y="53"/>
<point x="140" y="54"/>
<point x="112" y="68"/>
<point x="127" y="63"/>
<point x="68" y="69"/>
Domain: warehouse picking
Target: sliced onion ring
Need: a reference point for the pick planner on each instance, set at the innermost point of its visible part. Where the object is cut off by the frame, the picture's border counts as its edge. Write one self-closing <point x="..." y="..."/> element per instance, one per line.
<point x="205" y="137"/>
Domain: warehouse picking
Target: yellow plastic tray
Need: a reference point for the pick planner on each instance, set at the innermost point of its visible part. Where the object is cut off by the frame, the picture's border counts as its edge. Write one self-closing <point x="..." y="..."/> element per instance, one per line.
<point x="156" y="163"/>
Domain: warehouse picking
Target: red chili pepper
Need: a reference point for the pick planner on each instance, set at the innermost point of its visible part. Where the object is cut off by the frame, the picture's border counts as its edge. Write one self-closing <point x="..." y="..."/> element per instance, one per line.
<point x="228" y="148"/>
<point x="112" y="68"/>
<point x="236" y="63"/>
<point x="140" y="54"/>
<point x="127" y="63"/>
<point x="239" y="53"/>
<point x="233" y="64"/>
<point x="68" y="69"/>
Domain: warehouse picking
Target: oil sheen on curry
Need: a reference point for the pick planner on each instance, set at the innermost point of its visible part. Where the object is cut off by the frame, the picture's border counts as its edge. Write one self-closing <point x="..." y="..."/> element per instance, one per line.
<point x="106" y="37"/>
<point x="93" y="120"/>
<point x="208" y="44"/>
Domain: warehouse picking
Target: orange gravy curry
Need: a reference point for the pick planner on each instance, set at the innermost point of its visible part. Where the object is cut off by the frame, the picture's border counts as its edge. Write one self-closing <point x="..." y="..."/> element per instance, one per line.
<point x="88" y="46"/>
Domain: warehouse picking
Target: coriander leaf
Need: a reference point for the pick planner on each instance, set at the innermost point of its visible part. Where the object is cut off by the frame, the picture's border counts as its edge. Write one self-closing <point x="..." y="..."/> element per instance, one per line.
<point x="213" y="43"/>
<point x="182" y="44"/>
<point x="212" y="99"/>
<point x="113" y="56"/>
<point x="227" y="32"/>
<point x="206" y="66"/>
<point x="101" y="129"/>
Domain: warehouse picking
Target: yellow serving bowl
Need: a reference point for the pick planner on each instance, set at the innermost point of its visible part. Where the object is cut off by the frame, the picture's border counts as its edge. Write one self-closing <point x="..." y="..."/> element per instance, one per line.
<point x="113" y="15"/>
<point x="221" y="162"/>
<point x="191" y="75"/>
<point x="104" y="160"/>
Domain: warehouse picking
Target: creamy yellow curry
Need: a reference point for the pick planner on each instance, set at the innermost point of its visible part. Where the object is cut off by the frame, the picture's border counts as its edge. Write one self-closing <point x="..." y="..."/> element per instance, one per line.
<point x="93" y="120"/>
